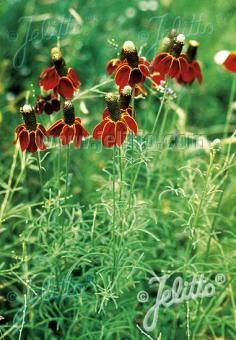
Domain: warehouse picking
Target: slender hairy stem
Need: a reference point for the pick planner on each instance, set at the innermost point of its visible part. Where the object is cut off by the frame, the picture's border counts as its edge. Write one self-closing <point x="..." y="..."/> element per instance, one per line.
<point x="230" y="107"/>
<point x="158" y="113"/>
<point x="40" y="172"/>
<point x="67" y="168"/>
<point x="114" y="209"/>
<point x="121" y="171"/>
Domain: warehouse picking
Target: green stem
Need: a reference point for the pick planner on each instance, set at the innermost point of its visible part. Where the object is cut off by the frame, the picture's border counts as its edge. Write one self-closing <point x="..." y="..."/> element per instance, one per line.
<point x="114" y="213"/>
<point x="40" y="172"/>
<point x="158" y="113"/>
<point x="121" y="171"/>
<point x="67" y="168"/>
<point x="230" y="107"/>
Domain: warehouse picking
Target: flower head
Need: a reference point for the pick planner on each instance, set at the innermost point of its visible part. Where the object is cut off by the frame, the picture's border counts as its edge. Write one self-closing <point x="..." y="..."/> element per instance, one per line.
<point x="194" y="69"/>
<point x="30" y="134"/>
<point x="133" y="69"/>
<point x="48" y="103"/>
<point x="69" y="128"/>
<point x="59" y="78"/>
<point x="114" y="127"/>
<point x="227" y="59"/>
<point x="171" y="63"/>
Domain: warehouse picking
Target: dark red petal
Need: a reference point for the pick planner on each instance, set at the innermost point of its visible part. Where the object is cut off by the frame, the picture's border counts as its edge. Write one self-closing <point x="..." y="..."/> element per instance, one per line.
<point x="65" y="88"/>
<point x="131" y="123"/>
<point x="56" y="128"/>
<point x="164" y="65"/>
<point x="50" y="79"/>
<point x="198" y="72"/>
<point x="105" y="113"/>
<point x="24" y="140"/>
<point x="78" y="135"/>
<point x="122" y="75"/>
<point x="108" y="135"/>
<point x="112" y="65"/>
<point x="32" y="147"/>
<point x="20" y="128"/>
<point x="83" y="131"/>
<point x="156" y="61"/>
<point x="39" y="140"/>
<point x="42" y="129"/>
<point x="67" y="134"/>
<point x="73" y="77"/>
<point x="144" y="70"/>
<point x="97" y="132"/>
<point x="135" y="77"/>
<point x="189" y="76"/>
<point x="121" y="132"/>
<point x="56" y="104"/>
<point x="230" y="62"/>
<point x="174" y="70"/>
<point x="184" y="67"/>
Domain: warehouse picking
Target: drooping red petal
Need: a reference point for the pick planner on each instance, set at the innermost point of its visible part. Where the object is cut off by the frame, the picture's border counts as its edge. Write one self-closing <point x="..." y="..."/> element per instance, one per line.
<point x="65" y="88"/>
<point x="42" y="129"/>
<point x="112" y="65"/>
<point x="97" y="132"/>
<point x="135" y="77"/>
<point x="230" y="62"/>
<point x="56" y="104"/>
<point x="164" y="65"/>
<point x="39" y="140"/>
<point x="120" y="132"/>
<point x="78" y="135"/>
<point x="83" y="131"/>
<point x="131" y="123"/>
<point x="108" y="135"/>
<point x="189" y="76"/>
<point x="56" y="128"/>
<point x="156" y="61"/>
<point x="73" y="77"/>
<point x="24" y="140"/>
<point x="157" y="78"/>
<point x="19" y="128"/>
<point x="122" y="75"/>
<point x="144" y="70"/>
<point x="174" y="70"/>
<point x="184" y="66"/>
<point x="50" y="79"/>
<point x="67" y="134"/>
<point x="32" y="147"/>
<point x="198" y="72"/>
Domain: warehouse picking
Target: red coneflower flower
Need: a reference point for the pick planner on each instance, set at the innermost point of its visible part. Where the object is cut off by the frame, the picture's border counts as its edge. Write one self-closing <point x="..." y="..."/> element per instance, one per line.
<point x="30" y="134"/>
<point x="134" y="69"/>
<point x="47" y="103"/>
<point x="227" y="59"/>
<point x="115" y="124"/>
<point x="194" y="69"/>
<point x="171" y="63"/>
<point x="69" y="128"/>
<point x="59" y="78"/>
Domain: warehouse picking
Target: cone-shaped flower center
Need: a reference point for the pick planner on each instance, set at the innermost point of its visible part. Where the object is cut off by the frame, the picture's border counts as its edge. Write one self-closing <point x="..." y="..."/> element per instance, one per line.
<point x="28" y="114"/>
<point x="59" y="62"/>
<point x="129" y="52"/>
<point x="192" y="50"/>
<point x="69" y="113"/>
<point x="113" y="106"/>
<point x="125" y="97"/>
<point x="176" y="45"/>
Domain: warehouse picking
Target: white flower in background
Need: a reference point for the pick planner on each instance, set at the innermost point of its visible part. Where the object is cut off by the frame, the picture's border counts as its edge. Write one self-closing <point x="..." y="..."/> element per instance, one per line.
<point x="221" y="56"/>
